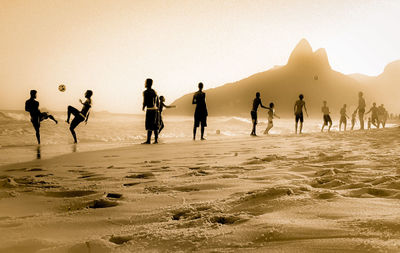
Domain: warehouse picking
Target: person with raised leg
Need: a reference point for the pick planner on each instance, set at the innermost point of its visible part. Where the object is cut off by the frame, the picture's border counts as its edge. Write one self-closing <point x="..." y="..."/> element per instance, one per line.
<point x="79" y="116"/>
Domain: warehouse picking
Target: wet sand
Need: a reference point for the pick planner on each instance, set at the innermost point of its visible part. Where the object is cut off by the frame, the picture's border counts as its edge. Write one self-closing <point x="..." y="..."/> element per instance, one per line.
<point x="336" y="192"/>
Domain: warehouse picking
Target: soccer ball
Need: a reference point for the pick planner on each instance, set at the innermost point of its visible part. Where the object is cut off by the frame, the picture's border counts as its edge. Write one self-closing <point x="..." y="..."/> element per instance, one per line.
<point x="316" y="77"/>
<point x="61" y="87"/>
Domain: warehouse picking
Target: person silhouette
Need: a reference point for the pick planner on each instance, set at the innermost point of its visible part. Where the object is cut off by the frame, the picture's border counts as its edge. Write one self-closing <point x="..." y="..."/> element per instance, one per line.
<point x="374" y="115"/>
<point x="32" y="106"/>
<point x="353" y="119"/>
<point x="79" y="116"/>
<point x="298" y="112"/>
<point x="327" y="117"/>
<point x="343" y="118"/>
<point x="382" y="115"/>
<point x="361" y="109"/>
<point x="200" y="113"/>
<point x="256" y="102"/>
<point x="161" y="107"/>
<point x="271" y="115"/>
<point x="151" y="103"/>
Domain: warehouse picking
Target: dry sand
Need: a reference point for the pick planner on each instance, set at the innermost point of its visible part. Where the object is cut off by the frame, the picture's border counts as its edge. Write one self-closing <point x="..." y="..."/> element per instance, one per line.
<point x="336" y="192"/>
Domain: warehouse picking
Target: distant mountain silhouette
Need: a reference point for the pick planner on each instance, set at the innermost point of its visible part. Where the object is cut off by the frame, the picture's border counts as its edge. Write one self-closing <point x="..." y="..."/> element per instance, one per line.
<point x="306" y="72"/>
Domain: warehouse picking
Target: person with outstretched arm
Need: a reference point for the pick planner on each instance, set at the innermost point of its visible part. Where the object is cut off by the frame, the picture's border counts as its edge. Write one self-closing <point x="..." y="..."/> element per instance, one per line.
<point x="161" y="107"/>
<point x="271" y="115"/>
<point x="253" y="113"/>
<point x="79" y="116"/>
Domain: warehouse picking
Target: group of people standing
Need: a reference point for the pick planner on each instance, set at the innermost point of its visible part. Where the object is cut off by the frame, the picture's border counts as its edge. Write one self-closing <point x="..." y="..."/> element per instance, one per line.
<point x="32" y="106"/>
<point x="379" y="115"/>
<point x="154" y="106"/>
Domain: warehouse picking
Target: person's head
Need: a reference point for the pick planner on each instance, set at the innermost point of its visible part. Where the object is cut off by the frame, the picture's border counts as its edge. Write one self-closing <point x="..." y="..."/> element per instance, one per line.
<point x="301" y="96"/>
<point x="324" y="102"/>
<point x="162" y="99"/>
<point x="201" y="86"/>
<point x="374" y="104"/>
<point x="344" y="106"/>
<point x="148" y="83"/>
<point x="33" y="93"/>
<point x="88" y="94"/>
<point x="381" y="105"/>
<point x="360" y="94"/>
<point x="271" y="105"/>
<point x="258" y="95"/>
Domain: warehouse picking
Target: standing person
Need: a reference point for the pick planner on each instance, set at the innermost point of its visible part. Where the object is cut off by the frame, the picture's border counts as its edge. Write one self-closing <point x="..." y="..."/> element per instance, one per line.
<point x="298" y="111"/>
<point x="327" y="117"/>
<point x="32" y="106"/>
<point x="150" y="100"/>
<point x="374" y="115"/>
<point x="200" y="113"/>
<point x="161" y="107"/>
<point x="271" y="115"/>
<point x="361" y="109"/>
<point x="79" y="116"/>
<point x="256" y="102"/>
<point x="353" y="119"/>
<point x="382" y="115"/>
<point x="343" y="118"/>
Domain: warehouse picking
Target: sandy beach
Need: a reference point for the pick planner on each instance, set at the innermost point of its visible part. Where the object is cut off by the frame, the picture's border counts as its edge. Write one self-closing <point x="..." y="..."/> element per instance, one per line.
<point x="336" y="192"/>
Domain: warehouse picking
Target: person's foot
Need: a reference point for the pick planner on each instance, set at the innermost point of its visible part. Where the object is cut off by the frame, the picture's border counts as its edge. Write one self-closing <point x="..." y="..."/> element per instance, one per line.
<point x="265" y="132"/>
<point x="203" y="139"/>
<point x="57" y="121"/>
<point x="146" y="142"/>
<point x="67" y="121"/>
<point x="155" y="142"/>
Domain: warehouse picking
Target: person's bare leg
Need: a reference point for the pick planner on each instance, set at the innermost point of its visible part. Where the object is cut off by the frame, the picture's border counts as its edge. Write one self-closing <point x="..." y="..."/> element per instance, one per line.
<point x="301" y="127"/>
<point x="330" y="125"/>
<point x="253" y="131"/>
<point x="323" y="126"/>
<point x="361" y="117"/>
<point x="345" y="125"/>
<point x="194" y="132"/>
<point x="53" y="119"/>
<point x="155" y="136"/>
<point x="296" y="127"/>
<point x="202" y="133"/>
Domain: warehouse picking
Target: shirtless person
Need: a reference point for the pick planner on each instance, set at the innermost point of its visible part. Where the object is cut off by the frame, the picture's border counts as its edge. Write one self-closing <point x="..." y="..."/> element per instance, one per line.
<point x="361" y="109"/>
<point x="374" y="115"/>
<point x="298" y="111"/>
<point x="271" y="115"/>
<point x="32" y="106"/>
<point x="151" y="102"/>
<point x="343" y="118"/>
<point x="256" y="102"/>
<point x="327" y="117"/>
<point x="200" y="113"/>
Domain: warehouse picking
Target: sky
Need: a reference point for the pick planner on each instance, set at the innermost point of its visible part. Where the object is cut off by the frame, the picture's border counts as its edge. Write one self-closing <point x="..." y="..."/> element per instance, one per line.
<point x="111" y="47"/>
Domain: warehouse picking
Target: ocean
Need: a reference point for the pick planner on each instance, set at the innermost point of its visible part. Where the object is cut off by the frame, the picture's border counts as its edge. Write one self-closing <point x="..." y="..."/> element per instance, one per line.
<point x="108" y="130"/>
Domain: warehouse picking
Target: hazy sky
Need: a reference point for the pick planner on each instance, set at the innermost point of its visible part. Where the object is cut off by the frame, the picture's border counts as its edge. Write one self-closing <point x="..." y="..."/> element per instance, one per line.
<point x="113" y="46"/>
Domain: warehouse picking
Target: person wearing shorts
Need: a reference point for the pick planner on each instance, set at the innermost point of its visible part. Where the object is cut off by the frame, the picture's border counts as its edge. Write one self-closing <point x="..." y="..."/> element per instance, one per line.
<point x="200" y="113"/>
<point x="253" y="113"/>
<point x="151" y="103"/>
<point x="298" y="112"/>
<point x="327" y="117"/>
<point x="343" y="118"/>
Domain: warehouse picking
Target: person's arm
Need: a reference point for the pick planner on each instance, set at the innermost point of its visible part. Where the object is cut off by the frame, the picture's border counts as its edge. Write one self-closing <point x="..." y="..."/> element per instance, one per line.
<point x="144" y="104"/>
<point x="347" y="116"/>
<point x="368" y="111"/>
<point x="305" y="108"/>
<point x="262" y="106"/>
<point x="276" y="115"/>
<point x="169" y="106"/>
<point x="294" y="108"/>
<point x="26" y="106"/>
<point x="194" y="100"/>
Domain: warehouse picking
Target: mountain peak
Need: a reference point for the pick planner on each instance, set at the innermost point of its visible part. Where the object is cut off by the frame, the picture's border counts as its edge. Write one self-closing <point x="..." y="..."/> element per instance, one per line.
<point x="303" y="49"/>
<point x="322" y="56"/>
<point x="303" y="56"/>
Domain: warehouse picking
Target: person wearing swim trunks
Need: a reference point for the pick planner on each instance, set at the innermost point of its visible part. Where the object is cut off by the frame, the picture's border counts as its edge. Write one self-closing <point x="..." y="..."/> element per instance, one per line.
<point x="161" y="107"/>
<point x="353" y="119"/>
<point x="32" y="106"/>
<point x="79" y="116"/>
<point x="374" y="115"/>
<point x="298" y="112"/>
<point x="200" y="113"/>
<point x="256" y="103"/>
<point x="343" y="118"/>
<point x="361" y="109"/>
<point x="382" y="115"/>
<point x="327" y="117"/>
<point x="271" y="115"/>
<point x="151" y="102"/>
